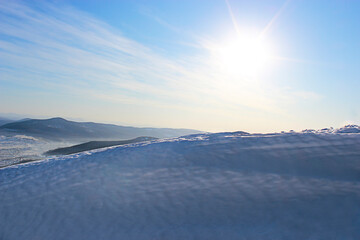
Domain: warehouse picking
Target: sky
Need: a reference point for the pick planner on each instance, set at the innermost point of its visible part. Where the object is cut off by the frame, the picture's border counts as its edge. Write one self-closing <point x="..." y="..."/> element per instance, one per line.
<point x="214" y="65"/>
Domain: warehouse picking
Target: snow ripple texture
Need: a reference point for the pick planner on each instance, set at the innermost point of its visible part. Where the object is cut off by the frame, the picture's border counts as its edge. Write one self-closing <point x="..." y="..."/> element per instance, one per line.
<point x="209" y="186"/>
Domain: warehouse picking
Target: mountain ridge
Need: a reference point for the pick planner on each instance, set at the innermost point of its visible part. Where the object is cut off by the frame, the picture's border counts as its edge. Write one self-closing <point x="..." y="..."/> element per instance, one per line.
<point x="59" y="129"/>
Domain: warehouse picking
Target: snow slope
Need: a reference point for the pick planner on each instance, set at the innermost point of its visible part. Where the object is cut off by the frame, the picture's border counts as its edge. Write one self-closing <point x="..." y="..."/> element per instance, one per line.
<point x="207" y="186"/>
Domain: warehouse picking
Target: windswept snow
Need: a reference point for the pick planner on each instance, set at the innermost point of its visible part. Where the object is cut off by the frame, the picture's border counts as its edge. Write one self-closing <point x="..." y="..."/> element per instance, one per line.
<point x="18" y="148"/>
<point x="349" y="129"/>
<point x="206" y="186"/>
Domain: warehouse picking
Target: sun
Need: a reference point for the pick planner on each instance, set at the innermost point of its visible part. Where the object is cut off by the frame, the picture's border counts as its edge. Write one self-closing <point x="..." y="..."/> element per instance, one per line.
<point x="242" y="56"/>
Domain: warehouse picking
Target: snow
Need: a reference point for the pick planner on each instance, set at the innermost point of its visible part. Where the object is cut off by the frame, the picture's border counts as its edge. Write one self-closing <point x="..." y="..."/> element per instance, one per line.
<point x="207" y="186"/>
<point x="349" y="129"/>
<point x="17" y="148"/>
<point x="22" y="148"/>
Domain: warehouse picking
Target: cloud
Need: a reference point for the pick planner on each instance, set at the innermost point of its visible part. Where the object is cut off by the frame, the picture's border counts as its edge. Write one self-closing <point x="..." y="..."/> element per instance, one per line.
<point x="62" y="46"/>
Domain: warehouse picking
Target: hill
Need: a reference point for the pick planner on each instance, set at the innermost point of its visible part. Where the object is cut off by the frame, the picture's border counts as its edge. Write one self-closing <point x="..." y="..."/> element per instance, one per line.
<point x="5" y="121"/>
<point x="94" y="145"/>
<point x="60" y="129"/>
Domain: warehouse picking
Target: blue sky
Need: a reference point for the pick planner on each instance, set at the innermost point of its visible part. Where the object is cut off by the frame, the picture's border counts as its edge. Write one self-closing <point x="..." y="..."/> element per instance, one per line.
<point x="183" y="63"/>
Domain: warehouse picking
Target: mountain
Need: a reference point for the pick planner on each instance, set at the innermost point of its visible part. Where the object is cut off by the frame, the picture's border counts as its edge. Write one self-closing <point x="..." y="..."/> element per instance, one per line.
<point x="62" y="129"/>
<point x="94" y="145"/>
<point x="5" y="121"/>
<point x="205" y="186"/>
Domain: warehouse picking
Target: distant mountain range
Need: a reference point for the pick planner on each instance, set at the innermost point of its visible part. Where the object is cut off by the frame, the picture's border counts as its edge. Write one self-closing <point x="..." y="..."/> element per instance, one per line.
<point x="59" y="129"/>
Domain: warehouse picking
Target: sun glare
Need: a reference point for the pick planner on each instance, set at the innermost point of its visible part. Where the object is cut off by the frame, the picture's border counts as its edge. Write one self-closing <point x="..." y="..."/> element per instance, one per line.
<point x="242" y="56"/>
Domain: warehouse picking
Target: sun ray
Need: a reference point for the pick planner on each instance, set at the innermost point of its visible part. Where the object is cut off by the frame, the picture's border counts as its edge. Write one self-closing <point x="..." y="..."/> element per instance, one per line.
<point x="233" y="19"/>
<point x="276" y="16"/>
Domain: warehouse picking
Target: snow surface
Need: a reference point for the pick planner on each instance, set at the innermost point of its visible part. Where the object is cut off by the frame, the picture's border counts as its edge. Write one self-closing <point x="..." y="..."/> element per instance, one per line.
<point x="207" y="186"/>
<point x="22" y="148"/>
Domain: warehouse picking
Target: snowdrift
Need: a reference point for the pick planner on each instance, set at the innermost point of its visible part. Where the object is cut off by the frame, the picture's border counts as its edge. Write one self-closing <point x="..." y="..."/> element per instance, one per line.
<point x="207" y="186"/>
